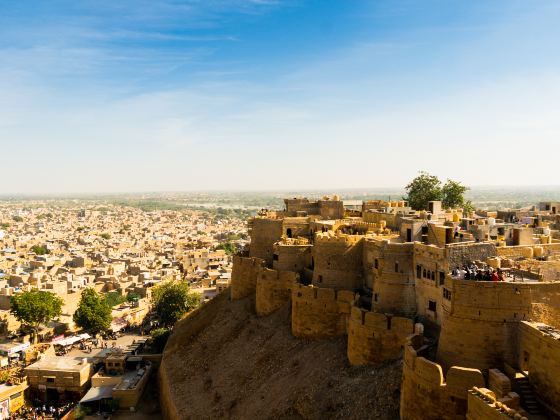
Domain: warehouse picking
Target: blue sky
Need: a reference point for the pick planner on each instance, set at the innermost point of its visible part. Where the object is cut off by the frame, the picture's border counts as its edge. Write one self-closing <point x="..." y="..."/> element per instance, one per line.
<point x="104" y="96"/>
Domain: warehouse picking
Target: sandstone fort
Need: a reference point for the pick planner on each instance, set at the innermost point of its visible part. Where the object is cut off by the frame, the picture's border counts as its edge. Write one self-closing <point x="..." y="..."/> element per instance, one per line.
<point x="469" y="302"/>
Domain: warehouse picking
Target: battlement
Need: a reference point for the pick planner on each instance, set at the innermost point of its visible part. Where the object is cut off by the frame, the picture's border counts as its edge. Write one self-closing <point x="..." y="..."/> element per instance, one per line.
<point x="273" y="289"/>
<point x="426" y="393"/>
<point x="244" y="276"/>
<point x="312" y="293"/>
<point x="319" y="312"/>
<point x="374" y="338"/>
<point x="337" y="238"/>
<point x="285" y="241"/>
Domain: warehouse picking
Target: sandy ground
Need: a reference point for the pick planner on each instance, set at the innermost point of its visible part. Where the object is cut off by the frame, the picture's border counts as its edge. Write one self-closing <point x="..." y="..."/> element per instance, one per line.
<point x="241" y="366"/>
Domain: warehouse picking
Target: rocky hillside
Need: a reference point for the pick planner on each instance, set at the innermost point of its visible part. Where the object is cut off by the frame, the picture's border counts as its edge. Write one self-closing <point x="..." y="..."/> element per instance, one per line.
<point x="223" y="361"/>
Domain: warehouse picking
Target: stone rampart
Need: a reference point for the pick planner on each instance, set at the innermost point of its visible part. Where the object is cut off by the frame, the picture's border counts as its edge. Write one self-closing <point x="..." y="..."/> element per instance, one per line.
<point x="539" y="354"/>
<point x="426" y="395"/>
<point x="244" y="276"/>
<point x="480" y="320"/>
<point x="264" y="233"/>
<point x="319" y="312"/>
<point x="273" y="289"/>
<point x="292" y="256"/>
<point x="337" y="261"/>
<point x="389" y="269"/>
<point x="374" y="337"/>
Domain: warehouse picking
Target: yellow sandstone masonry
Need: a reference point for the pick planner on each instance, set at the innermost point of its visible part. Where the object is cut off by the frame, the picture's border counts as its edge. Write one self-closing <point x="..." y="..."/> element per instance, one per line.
<point x="319" y="313"/>
<point x="273" y="289"/>
<point x="374" y="338"/>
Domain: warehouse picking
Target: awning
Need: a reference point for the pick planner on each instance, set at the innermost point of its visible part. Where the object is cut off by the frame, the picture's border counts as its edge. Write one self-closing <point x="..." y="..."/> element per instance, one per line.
<point x="97" y="393"/>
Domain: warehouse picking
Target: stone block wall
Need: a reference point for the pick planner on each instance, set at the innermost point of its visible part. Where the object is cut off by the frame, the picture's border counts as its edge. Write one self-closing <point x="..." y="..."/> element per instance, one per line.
<point x="318" y="312"/>
<point x="374" y="337"/>
<point x="482" y="405"/>
<point x="244" y="276"/>
<point x="424" y="393"/>
<point x="337" y="260"/>
<point x="291" y="257"/>
<point x="390" y="267"/>
<point x="264" y="233"/>
<point x="273" y="289"/>
<point x="539" y="354"/>
<point x="480" y="321"/>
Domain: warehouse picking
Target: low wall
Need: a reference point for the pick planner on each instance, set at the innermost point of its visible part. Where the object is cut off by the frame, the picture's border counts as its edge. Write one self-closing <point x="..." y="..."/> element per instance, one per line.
<point x="482" y="405"/>
<point x="318" y="312"/>
<point x="273" y="289"/>
<point x="521" y="250"/>
<point x="244" y="276"/>
<point x="374" y="338"/>
<point x="426" y="395"/>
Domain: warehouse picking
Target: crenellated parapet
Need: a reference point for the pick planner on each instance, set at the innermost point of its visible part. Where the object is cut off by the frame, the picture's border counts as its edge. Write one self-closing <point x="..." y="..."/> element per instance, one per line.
<point x="244" y="276"/>
<point x="338" y="261"/>
<point x="273" y="289"/>
<point x="426" y="394"/>
<point x="319" y="312"/>
<point x="374" y="338"/>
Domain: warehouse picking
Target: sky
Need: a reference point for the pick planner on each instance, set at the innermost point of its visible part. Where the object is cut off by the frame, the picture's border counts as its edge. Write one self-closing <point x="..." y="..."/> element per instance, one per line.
<point x="146" y="95"/>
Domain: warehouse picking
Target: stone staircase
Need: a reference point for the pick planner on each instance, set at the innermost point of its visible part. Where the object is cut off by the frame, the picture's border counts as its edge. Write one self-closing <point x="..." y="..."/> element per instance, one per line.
<point x="528" y="400"/>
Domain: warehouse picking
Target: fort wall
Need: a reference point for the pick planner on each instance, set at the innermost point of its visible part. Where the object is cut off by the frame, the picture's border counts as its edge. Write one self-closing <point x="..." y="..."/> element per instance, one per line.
<point x="291" y="257"/>
<point x="337" y="261"/>
<point x="480" y="320"/>
<point x="391" y="219"/>
<point x="264" y="233"/>
<point x="244" y="276"/>
<point x="318" y="312"/>
<point x="426" y="395"/>
<point x="388" y="268"/>
<point x="374" y="337"/>
<point x="293" y="227"/>
<point x="273" y="289"/>
<point x="539" y="354"/>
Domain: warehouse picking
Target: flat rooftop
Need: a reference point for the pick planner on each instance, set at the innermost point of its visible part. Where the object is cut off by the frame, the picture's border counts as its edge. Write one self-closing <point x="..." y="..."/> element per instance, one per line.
<point x="59" y="363"/>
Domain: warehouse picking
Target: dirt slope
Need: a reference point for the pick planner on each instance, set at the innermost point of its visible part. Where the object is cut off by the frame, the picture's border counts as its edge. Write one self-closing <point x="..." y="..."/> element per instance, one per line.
<point x="223" y="361"/>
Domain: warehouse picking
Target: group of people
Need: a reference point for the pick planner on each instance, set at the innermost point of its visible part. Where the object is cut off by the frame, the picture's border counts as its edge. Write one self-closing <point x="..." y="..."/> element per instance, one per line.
<point x="473" y="272"/>
<point x="41" y="412"/>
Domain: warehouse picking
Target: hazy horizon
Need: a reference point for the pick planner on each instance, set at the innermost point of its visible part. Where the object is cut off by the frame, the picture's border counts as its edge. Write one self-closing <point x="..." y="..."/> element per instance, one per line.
<point x="276" y="95"/>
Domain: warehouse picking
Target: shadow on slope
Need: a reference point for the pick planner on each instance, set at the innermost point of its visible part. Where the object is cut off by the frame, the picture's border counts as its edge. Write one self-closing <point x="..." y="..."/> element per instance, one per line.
<point x="223" y="361"/>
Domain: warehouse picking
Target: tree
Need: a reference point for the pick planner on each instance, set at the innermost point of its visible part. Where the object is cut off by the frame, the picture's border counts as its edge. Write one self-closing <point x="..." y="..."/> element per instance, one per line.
<point x="93" y="313"/>
<point x="453" y="194"/>
<point x="158" y="339"/>
<point x="172" y="300"/>
<point x="114" y="298"/>
<point x="422" y="189"/>
<point x="40" y="249"/>
<point x="425" y="188"/>
<point x="229" y="247"/>
<point x="36" y="307"/>
<point x="106" y="236"/>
